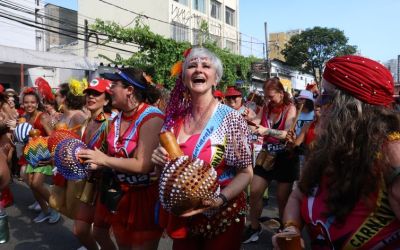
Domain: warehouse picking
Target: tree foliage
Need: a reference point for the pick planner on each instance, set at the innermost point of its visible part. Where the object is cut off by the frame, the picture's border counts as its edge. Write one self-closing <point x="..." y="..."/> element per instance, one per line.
<point x="309" y="50"/>
<point x="157" y="54"/>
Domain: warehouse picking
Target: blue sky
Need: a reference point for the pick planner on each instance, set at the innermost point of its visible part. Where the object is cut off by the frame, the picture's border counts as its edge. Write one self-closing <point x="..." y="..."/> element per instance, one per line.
<point x="69" y="4"/>
<point x="372" y="25"/>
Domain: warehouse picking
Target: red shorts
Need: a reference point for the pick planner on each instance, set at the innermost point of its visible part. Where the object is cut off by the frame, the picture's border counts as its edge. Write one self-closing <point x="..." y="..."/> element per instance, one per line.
<point x="134" y="221"/>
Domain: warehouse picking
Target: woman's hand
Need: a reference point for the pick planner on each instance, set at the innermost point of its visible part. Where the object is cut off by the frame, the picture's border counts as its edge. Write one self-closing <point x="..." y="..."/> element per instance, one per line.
<point x="206" y="204"/>
<point x="11" y="124"/>
<point x="93" y="157"/>
<point x="290" y="138"/>
<point x="288" y="230"/>
<point x="261" y="130"/>
<point x="160" y="156"/>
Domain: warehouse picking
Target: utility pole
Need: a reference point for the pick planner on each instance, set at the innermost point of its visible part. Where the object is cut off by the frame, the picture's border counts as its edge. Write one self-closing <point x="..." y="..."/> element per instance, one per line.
<point x="86" y="42"/>
<point x="266" y="50"/>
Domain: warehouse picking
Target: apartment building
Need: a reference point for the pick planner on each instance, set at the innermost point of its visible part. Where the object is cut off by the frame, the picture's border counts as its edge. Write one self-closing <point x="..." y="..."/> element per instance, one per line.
<point x="277" y="42"/>
<point x="177" y="19"/>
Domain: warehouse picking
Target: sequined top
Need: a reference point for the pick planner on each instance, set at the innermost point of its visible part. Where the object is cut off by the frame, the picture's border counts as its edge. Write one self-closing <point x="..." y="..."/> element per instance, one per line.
<point x="227" y="146"/>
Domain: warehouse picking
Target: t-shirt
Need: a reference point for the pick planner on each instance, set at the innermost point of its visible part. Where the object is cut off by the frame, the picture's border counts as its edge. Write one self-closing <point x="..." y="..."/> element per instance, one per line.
<point x="303" y="119"/>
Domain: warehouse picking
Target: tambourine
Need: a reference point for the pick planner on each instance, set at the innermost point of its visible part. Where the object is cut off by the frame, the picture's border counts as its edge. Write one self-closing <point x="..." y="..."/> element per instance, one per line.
<point x="66" y="160"/>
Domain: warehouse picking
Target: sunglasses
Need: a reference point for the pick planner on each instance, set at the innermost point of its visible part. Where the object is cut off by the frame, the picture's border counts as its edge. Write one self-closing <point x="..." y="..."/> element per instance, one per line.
<point x="93" y="93"/>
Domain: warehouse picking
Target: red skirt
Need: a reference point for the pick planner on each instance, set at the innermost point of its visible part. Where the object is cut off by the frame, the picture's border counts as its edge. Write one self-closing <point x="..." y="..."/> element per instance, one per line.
<point x="134" y="221"/>
<point x="207" y="227"/>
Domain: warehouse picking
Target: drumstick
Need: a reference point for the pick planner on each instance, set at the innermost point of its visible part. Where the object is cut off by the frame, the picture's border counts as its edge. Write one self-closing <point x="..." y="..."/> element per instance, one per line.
<point x="252" y="97"/>
<point x="251" y="123"/>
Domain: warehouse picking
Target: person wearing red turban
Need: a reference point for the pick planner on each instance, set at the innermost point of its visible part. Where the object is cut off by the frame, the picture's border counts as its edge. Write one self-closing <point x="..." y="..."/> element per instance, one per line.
<point x="349" y="194"/>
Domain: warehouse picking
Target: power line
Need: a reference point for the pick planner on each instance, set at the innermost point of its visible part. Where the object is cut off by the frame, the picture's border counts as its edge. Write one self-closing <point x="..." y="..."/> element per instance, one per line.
<point x="71" y="31"/>
<point x="53" y="31"/>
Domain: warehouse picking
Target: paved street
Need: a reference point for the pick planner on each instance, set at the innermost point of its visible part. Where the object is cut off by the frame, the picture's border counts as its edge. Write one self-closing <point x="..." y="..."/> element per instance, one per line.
<point x="26" y="235"/>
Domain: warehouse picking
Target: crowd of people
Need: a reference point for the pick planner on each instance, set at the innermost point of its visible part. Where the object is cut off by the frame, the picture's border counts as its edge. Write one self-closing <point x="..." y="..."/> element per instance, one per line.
<point x="334" y="154"/>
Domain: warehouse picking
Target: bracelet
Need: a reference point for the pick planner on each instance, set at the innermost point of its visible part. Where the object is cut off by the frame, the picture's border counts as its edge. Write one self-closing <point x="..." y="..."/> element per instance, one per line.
<point x="291" y="223"/>
<point x="224" y="199"/>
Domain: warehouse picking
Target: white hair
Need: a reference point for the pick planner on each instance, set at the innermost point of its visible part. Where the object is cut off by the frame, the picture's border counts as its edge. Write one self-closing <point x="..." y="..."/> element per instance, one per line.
<point x="203" y="52"/>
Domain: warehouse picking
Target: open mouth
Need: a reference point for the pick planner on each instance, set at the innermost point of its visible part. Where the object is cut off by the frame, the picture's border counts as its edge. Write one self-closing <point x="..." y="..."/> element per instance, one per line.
<point x="199" y="80"/>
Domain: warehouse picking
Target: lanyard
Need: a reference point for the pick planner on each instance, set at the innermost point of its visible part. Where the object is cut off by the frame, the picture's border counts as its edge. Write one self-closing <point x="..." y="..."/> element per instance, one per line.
<point x="149" y="110"/>
<point x="215" y="121"/>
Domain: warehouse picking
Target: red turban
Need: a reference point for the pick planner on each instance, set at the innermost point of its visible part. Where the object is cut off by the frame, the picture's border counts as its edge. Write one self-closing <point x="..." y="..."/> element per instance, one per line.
<point x="363" y="78"/>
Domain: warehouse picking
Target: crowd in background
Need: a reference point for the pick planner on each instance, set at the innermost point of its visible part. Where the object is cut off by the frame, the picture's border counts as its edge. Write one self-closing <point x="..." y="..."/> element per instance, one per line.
<point x="250" y="141"/>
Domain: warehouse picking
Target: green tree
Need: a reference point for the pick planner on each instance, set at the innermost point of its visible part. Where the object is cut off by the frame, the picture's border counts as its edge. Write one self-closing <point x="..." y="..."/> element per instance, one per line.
<point x="157" y="54"/>
<point x="309" y="50"/>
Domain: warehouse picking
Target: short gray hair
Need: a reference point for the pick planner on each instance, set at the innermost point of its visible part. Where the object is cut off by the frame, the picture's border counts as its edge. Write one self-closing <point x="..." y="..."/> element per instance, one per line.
<point x="203" y="52"/>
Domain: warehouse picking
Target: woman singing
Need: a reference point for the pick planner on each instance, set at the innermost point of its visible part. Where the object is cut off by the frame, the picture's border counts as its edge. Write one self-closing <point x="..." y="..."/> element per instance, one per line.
<point x="191" y="114"/>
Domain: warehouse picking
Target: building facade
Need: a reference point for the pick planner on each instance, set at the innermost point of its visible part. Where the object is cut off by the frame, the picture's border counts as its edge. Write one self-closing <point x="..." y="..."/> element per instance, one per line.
<point x="64" y="22"/>
<point x="277" y="42"/>
<point x="177" y="19"/>
<point x="26" y="47"/>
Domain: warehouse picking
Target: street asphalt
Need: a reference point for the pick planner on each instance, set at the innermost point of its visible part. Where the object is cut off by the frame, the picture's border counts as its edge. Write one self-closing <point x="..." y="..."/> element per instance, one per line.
<point x="27" y="235"/>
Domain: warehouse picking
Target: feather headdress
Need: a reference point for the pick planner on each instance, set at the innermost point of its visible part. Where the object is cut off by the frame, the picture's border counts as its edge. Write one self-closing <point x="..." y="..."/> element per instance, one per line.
<point x="44" y="89"/>
<point x="77" y="87"/>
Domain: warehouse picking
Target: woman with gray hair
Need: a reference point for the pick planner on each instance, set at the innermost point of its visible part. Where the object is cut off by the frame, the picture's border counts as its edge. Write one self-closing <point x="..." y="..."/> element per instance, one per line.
<point x="218" y="135"/>
<point x="349" y="193"/>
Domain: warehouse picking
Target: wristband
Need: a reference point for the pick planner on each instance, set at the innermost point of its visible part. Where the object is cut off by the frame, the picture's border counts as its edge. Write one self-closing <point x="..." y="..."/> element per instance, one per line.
<point x="224" y="199"/>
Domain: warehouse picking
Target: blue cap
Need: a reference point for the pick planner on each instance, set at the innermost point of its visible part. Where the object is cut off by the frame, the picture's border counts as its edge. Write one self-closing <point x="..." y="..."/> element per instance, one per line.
<point x="119" y="75"/>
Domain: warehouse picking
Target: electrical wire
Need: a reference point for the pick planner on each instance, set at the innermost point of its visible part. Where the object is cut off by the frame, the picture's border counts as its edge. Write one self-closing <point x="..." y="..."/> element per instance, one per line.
<point x="60" y="33"/>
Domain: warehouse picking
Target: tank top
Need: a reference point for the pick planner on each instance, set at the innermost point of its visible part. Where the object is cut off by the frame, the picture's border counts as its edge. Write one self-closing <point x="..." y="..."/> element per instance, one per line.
<point x="273" y="144"/>
<point x="310" y="135"/>
<point x="124" y="145"/>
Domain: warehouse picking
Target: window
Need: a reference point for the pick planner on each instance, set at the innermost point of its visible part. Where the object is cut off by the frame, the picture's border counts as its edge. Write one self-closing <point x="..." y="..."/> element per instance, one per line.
<point x="216" y="39"/>
<point x="199" y="5"/>
<point x="179" y="32"/>
<point x="231" y="46"/>
<point x="184" y="2"/>
<point x="229" y="16"/>
<point x="215" y="9"/>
